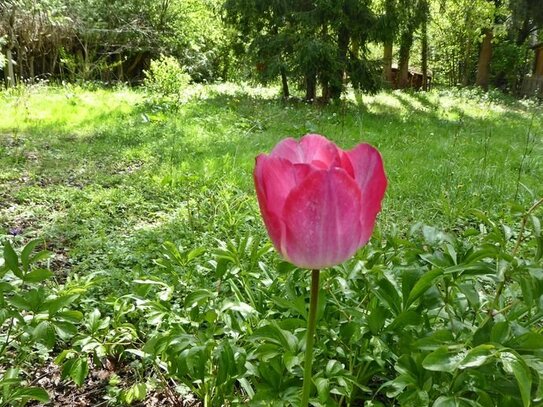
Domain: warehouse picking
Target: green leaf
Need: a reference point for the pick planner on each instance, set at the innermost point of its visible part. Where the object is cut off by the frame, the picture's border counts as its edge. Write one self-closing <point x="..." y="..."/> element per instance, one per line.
<point x="194" y="253"/>
<point x="226" y="366"/>
<point x="65" y="330"/>
<point x="500" y="332"/>
<point x="424" y="283"/>
<point x="376" y="319"/>
<point x="197" y="298"/>
<point x="468" y="289"/>
<point x="93" y="323"/>
<point x="56" y="304"/>
<point x="387" y="293"/>
<point x="478" y="356"/>
<point x="137" y="392"/>
<point x="405" y="318"/>
<point x="530" y="341"/>
<point x="19" y="302"/>
<point x="443" y="360"/>
<point x="43" y="255"/>
<point x="38" y="275"/>
<point x="450" y="401"/>
<point x="515" y="365"/>
<point x="45" y="333"/>
<point x="409" y="278"/>
<point x="27" y="250"/>
<point x="246" y="386"/>
<point x="79" y="370"/>
<point x="323" y="388"/>
<point x="31" y="393"/>
<point x="70" y="316"/>
<point x="11" y="259"/>
<point x="537" y="225"/>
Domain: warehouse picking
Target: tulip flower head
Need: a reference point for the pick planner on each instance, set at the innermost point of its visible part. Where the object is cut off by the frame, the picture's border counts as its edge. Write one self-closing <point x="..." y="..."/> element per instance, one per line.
<point x="319" y="203"/>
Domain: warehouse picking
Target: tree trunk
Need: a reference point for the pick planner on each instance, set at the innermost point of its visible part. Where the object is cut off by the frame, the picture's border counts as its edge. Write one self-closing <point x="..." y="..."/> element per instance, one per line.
<point x="424" y="54"/>
<point x="11" y="72"/>
<point x="54" y="62"/>
<point x="284" y="83"/>
<point x="20" y="63"/>
<point x="387" y="62"/>
<point x="483" y="66"/>
<point x="403" y="68"/>
<point x="120" y="73"/>
<point x="310" y="87"/>
<point x="336" y="84"/>
<point x="31" y="69"/>
<point x="466" y="68"/>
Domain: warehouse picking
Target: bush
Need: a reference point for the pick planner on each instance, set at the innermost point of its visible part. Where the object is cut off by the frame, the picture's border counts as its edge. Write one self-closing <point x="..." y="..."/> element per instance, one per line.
<point x="166" y="79"/>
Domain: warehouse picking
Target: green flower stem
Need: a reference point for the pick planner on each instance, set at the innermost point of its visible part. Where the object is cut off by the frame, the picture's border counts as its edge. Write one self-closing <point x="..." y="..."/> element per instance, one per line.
<point x="311" y="323"/>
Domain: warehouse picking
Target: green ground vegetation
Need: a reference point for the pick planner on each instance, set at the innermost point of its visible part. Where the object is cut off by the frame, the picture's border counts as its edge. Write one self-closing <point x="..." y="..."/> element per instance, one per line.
<point x="128" y="190"/>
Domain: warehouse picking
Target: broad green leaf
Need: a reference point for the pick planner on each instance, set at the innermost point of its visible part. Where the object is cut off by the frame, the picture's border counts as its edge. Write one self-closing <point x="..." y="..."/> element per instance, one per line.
<point x="244" y="309"/>
<point x="452" y="401"/>
<point x="272" y="333"/>
<point x="19" y="302"/>
<point x="409" y="278"/>
<point x="10" y="257"/>
<point x="37" y="276"/>
<point x="226" y="366"/>
<point x="194" y="253"/>
<point x="477" y="356"/>
<point x="79" y="370"/>
<point x="388" y="294"/>
<point x="31" y="393"/>
<point x="40" y="256"/>
<point x="198" y="297"/>
<point x="500" y="332"/>
<point x="65" y="330"/>
<point x="424" y="283"/>
<point x="515" y="365"/>
<point x="468" y="289"/>
<point x="530" y="341"/>
<point x="27" y="251"/>
<point x="323" y="388"/>
<point x="376" y="319"/>
<point x="246" y="386"/>
<point x="435" y="340"/>
<point x="405" y="318"/>
<point x="56" y="304"/>
<point x="70" y="316"/>
<point x="443" y="360"/>
<point x="45" y="333"/>
<point x="537" y="225"/>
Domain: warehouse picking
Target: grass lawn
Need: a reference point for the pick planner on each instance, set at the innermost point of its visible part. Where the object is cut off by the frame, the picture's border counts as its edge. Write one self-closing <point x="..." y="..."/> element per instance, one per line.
<point x="106" y="179"/>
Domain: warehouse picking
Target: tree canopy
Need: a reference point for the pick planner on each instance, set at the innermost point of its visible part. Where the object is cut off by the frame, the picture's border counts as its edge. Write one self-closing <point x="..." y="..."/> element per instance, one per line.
<point x="318" y="47"/>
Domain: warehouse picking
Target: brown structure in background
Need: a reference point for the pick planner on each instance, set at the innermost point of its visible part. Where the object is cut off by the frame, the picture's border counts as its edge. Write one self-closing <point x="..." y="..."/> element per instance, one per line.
<point x="532" y="85"/>
<point x="414" y="79"/>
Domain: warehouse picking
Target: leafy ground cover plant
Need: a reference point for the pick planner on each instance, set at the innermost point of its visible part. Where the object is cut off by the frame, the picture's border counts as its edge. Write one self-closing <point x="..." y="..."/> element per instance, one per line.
<point x="35" y="318"/>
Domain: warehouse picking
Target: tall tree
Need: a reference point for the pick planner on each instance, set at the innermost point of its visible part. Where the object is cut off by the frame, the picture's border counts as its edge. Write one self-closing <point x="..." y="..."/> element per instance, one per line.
<point x="315" y="42"/>
<point x="485" y="53"/>
<point x="415" y="12"/>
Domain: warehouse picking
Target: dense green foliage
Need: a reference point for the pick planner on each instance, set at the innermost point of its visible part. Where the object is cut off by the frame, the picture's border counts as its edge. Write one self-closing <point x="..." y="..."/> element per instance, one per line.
<point x="320" y="47"/>
<point x="158" y="267"/>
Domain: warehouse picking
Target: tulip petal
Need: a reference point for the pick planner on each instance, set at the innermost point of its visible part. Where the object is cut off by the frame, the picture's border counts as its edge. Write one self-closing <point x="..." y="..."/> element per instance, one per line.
<point x="322" y="220"/>
<point x="319" y="151"/>
<point x="312" y="149"/>
<point x="370" y="175"/>
<point x="288" y="149"/>
<point x="274" y="179"/>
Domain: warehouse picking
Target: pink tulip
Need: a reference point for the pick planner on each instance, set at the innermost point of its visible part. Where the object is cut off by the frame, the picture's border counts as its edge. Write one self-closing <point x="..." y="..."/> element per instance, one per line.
<point x="318" y="202"/>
